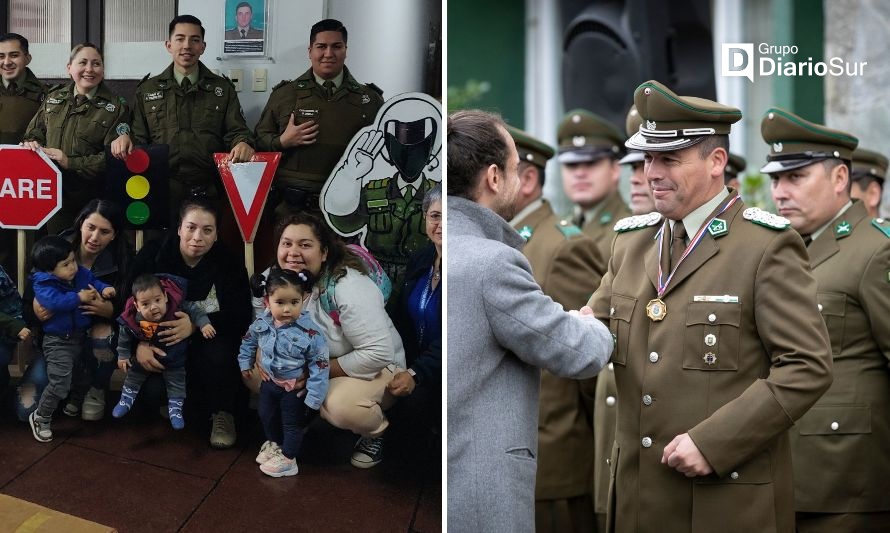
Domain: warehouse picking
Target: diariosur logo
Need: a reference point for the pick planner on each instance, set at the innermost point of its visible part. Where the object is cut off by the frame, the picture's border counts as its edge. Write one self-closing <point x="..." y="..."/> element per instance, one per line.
<point x="737" y="59"/>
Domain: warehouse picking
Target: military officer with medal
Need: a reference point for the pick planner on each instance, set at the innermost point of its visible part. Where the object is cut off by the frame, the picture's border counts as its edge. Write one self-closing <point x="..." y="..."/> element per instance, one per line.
<point x="719" y="344"/>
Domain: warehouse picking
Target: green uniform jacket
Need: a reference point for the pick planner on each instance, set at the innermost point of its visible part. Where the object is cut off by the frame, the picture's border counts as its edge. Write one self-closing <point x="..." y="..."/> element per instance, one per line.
<point x="600" y="228"/>
<point x="352" y="107"/>
<point x="396" y="228"/>
<point x="206" y="120"/>
<point x="19" y="107"/>
<point x="840" y="447"/>
<point x="568" y="267"/>
<point x="734" y="375"/>
<point x="81" y="133"/>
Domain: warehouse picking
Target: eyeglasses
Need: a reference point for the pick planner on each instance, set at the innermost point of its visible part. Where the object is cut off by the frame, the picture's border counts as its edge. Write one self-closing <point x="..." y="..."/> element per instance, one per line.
<point x="434" y="217"/>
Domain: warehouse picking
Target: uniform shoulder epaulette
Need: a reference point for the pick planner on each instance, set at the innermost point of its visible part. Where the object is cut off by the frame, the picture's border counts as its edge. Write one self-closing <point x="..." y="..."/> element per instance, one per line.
<point x="765" y="218"/>
<point x="883" y="225"/>
<point x="378" y="184"/>
<point x="637" y="222"/>
<point x="143" y="79"/>
<point x="568" y="229"/>
<point x="56" y="87"/>
<point x="282" y="83"/>
<point x="376" y="89"/>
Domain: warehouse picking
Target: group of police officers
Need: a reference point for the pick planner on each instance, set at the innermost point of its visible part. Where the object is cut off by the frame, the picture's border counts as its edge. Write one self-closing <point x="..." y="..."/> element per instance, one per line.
<point x="724" y="377"/>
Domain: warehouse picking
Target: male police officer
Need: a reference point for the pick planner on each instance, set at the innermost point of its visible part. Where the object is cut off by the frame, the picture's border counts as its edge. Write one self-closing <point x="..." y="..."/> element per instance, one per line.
<point x="841" y="459"/>
<point x="869" y="171"/>
<point x="589" y="149"/>
<point x="243" y="29"/>
<point x="640" y="196"/>
<point x="192" y="110"/>
<point x="20" y="97"/>
<point x="719" y="346"/>
<point x="568" y="266"/>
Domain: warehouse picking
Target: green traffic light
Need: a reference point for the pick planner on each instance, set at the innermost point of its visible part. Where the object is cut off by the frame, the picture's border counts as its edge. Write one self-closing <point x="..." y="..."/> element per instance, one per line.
<point x="138" y="213"/>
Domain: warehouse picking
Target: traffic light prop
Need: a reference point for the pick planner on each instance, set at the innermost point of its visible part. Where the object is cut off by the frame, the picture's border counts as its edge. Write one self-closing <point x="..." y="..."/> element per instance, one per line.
<point x="140" y="186"/>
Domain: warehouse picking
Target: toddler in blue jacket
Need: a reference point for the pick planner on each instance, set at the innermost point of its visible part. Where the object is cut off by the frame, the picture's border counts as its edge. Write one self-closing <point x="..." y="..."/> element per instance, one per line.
<point x="289" y="342"/>
<point x="60" y="285"/>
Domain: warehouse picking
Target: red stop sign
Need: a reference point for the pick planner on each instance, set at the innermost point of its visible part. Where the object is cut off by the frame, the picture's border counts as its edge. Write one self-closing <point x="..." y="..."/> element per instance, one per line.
<point x="30" y="188"/>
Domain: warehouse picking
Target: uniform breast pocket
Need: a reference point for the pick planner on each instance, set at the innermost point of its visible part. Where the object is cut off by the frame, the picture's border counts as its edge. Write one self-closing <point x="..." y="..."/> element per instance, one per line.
<point x="379" y="216"/>
<point x="621" y="311"/>
<point x="211" y="116"/>
<point x="833" y="306"/>
<point x="155" y="112"/>
<point x="712" y="336"/>
<point x="91" y="135"/>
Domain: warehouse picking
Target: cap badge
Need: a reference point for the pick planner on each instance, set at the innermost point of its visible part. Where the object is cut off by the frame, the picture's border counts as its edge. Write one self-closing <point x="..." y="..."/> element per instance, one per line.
<point x="842" y="229"/>
<point x="650" y="124"/>
<point x="529" y="157"/>
<point x="576" y="118"/>
<point x="717" y="227"/>
<point x="777" y="147"/>
<point x="366" y="99"/>
<point x="578" y="140"/>
<point x="218" y="91"/>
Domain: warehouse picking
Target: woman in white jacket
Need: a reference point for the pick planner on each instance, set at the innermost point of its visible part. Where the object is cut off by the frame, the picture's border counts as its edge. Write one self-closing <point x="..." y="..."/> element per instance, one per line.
<point x="365" y="348"/>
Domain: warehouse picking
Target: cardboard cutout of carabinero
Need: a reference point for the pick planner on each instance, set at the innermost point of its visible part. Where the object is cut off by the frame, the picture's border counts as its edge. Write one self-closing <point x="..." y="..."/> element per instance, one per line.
<point x="376" y="190"/>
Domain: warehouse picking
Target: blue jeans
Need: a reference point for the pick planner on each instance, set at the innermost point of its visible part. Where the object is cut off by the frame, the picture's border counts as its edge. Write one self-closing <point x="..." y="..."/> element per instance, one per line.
<point x="281" y="413"/>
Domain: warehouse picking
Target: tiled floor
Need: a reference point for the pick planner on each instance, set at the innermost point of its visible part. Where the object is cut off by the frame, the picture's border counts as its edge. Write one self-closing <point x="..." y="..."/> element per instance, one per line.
<point x="137" y="474"/>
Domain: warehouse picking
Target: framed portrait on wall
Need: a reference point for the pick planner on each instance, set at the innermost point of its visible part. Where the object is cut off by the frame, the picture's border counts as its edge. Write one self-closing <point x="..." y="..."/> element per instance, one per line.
<point x="245" y="27"/>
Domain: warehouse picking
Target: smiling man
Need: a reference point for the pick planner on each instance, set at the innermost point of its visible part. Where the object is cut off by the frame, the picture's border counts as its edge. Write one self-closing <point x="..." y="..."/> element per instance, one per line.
<point x="850" y="256"/>
<point x="243" y="29"/>
<point x="719" y="345"/>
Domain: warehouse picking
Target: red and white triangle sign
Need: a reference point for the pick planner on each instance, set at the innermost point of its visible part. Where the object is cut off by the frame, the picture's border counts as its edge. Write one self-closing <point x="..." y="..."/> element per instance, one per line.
<point x="247" y="186"/>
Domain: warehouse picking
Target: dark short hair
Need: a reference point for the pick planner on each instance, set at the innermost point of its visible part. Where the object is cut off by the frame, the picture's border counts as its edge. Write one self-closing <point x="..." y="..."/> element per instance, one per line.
<point x="327" y="25"/>
<point x="832" y="162"/>
<point x="475" y="141"/>
<point x="184" y="19"/>
<point x="49" y="252"/>
<point x="15" y="37"/>
<point x="244" y="4"/>
<point x="284" y="277"/>
<point x="525" y="164"/>
<point x="711" y="143"/>
<point x="198" y="203"/>
<point x="145" y="282"/>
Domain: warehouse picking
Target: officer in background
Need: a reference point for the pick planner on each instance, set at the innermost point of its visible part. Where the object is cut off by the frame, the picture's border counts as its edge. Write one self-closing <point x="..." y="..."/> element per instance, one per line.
<point x="869" y="171"/>
<point x="196" y="113"/>
<point x="840" y="447"/>
<point x="20" y="98"/>
<point x="734" y="168"/>
<point x="719" y="345"/>
<point x="640" y="195"/>
<point x="589" y="149"/>
<point x="568" y="267"/>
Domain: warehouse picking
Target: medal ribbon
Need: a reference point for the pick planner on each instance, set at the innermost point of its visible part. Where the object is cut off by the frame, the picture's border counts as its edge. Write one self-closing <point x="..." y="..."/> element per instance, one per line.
<point x="663" y="283"/>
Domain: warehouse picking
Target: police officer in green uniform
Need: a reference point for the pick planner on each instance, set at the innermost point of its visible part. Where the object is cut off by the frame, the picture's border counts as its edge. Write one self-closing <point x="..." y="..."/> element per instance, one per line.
<point x="73" y="126"/>
<point x="735" y="167"/>
<point x="20" y="96"/>
<point x="869" y="171"/>
<point x="840" y="447"/>
<point x="589" y="150"/>
<point x="195" y="112"/>
<point x="568" y="266"/>
<point x="312" y="119"/>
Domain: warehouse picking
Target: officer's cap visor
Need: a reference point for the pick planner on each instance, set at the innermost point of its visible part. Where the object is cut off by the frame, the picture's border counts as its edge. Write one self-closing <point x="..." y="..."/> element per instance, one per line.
<point x="661" y="144"/>
<point x="632" y="157"/>
<point x="787" y="164"/>
<point x="587" y="154"/>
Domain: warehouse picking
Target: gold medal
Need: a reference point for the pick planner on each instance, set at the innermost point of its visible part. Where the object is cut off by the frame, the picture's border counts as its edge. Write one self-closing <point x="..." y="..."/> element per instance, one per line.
<point x="656" y="310"/>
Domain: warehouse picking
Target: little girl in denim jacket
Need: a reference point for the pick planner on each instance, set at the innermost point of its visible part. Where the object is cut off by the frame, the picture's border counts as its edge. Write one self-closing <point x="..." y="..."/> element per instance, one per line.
<point x="289" y="342"/>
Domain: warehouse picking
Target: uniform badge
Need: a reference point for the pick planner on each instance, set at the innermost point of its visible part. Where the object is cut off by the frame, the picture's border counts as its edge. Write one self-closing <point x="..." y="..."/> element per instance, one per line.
<point x="709" y="358"/>
<point x="525" y="232"/>
<point x="717" y="227"/>
<point x="777" y="147"/>
<point x="656" y="310"/>
<point x="53" y="101"/>
<point x="110" y="108"/>
<point x="842" y="229"/>
<point x="122" y="129"/>
<point x="710" y="339"/>
<point x="605" y="218"/>
<point x="765" y="218"/>
<point x="157" y="95"/>
<point x="882" y="225"/>
<point x="366" y="99"/>
<point x="301" y="84"/>
<point x="578" y="140"/>
<point x="650" y="125"/>
<point x="218" y="91"/>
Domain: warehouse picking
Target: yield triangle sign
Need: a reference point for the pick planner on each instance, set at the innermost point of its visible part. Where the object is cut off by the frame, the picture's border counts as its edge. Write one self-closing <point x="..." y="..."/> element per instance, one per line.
<point x="247" y="186"/>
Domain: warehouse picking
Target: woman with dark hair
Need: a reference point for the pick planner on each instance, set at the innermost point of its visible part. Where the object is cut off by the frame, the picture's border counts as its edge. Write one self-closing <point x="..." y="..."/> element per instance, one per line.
<point x="98" y="241"/>
<point x="73" y="126"/>
<point x="365" y="348"/>
<point x="219" y="286"/>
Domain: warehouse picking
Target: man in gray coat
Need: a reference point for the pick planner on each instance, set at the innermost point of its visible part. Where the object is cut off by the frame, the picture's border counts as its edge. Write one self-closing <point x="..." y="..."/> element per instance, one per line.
<point x="502" y="329"/>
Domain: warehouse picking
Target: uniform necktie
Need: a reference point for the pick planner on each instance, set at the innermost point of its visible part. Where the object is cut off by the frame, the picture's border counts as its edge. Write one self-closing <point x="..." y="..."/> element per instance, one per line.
<point x="79" y="100"/>
<point x="329" y="88"/>
<point x="579" y="219"/>
<point x="408" y="194"/>
<point x="243" y="34"/>
<point x="186" y="84"/>
<point x="807" y="240"/>
<point x="678" y="243"/>
<point x="13" y="87"/>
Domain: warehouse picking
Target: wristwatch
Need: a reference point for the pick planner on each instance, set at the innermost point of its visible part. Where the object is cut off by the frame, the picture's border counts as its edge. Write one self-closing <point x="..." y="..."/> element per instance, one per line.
<point x="414" y="376"/>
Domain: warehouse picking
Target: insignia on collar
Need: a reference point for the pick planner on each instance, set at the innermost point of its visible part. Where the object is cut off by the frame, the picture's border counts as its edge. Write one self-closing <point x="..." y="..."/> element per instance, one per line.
<point x="52" y="100"/>
<point x="883" y="226"/>
<point x="218" y="91"/>
<point x="525" y="232"/>
<point x="157" y="95"/>
<point x="568" y="229"/>
<point x="605" y="218"/>
<point x="366" y="99"/>
<point x="637" y="222"/>
<point x="765" y="218"/>
<point x="842" y="229"/>
<point x="717" y="227"/>
<point x="110" y="108"/>
<point x="777" y="147"/>
<point x="302" y="84"/>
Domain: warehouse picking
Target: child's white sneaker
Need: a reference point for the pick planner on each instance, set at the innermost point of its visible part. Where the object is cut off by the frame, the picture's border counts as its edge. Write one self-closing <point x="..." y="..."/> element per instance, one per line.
<point x="267" y="450"/>
<point x="279" y="465"/>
